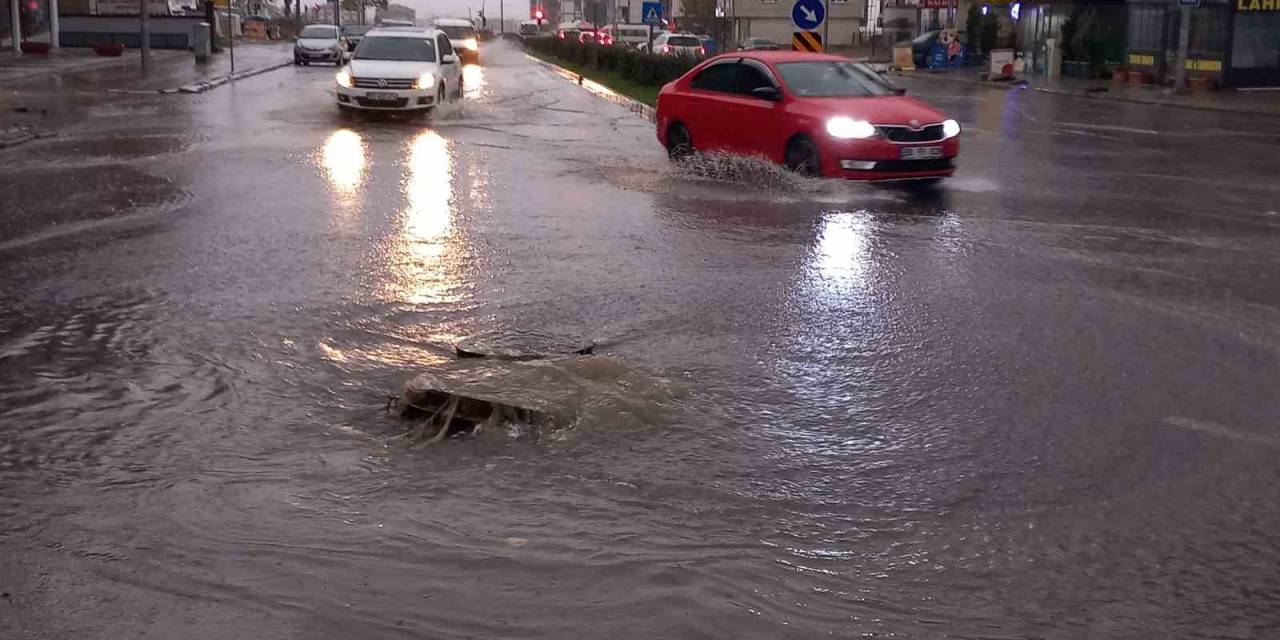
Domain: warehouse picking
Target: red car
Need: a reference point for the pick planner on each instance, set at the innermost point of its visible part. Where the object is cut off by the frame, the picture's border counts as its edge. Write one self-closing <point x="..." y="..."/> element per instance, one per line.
<point x="819" y="115"/>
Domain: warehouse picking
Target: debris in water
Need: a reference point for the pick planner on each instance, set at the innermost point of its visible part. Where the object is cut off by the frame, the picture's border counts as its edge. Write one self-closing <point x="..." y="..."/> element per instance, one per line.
<point x="522" y="347"/>
<point x="434" y="411"/>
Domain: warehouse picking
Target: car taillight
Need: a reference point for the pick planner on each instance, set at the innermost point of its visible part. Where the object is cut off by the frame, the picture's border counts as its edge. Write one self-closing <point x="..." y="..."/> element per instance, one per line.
<point x="702" y="51"/>
<point x="664" y="49"/>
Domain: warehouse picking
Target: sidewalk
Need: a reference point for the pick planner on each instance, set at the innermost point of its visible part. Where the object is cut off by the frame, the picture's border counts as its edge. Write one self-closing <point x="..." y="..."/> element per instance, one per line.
<point x="81" y="69"/>
<point x="1257" y="102"/>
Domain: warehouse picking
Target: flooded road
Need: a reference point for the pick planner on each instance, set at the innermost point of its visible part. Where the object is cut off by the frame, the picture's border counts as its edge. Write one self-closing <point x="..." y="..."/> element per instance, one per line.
<point x="1038" y="402"/>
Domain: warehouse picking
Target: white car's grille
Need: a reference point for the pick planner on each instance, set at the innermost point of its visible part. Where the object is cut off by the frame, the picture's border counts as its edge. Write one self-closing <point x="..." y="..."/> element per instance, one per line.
<point x="383" y="83"/>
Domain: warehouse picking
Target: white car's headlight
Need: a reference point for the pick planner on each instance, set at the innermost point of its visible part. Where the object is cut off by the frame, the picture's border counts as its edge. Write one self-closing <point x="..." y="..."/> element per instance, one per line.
<point x="424" y="81"/>
<point x="470" y="44"/>
<point x="343" y="78"/>
<point x="842" y="127"/>
<point x="950" y="128"/>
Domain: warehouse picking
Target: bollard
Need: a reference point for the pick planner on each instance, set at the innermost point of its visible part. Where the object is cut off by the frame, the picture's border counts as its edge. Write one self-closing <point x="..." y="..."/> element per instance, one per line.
<point x="200" y="42"/>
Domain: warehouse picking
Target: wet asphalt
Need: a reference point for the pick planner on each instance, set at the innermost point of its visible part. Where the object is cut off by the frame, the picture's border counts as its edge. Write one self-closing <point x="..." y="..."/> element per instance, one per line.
<point x="1038" y="401"/>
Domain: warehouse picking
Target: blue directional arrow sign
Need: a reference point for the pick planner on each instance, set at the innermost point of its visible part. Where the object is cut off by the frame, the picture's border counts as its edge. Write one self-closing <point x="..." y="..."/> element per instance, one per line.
<point x="651" y="12"/>
<point x="808" y="14"/>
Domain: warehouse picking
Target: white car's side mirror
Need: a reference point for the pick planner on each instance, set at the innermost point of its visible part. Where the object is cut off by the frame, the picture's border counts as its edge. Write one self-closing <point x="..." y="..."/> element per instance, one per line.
<point x="449" y="58"/>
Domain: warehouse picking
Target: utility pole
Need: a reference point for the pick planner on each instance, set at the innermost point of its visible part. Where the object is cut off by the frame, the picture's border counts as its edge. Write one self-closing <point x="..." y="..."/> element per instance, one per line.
<point x="145" y="35"/>
<point x="231" y="38"/>
<point x="1184" y="36"/>
<point x="502" y="16"/>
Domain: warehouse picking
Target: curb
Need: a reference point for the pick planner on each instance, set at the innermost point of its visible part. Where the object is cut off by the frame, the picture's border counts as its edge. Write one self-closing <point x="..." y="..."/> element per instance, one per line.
<point x="1098" y="95"/>
<point x="635" y="106"/>
<point x="14" y="137"/>
<point x="201" y="87"/>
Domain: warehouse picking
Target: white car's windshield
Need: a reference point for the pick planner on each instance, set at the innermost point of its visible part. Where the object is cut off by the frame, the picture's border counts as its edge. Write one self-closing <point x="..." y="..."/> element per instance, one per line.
<point x="684" y="41"/>
<point x="319" y="32"/>
<point x="832" y="79"/>
<point x="409" y="49"/>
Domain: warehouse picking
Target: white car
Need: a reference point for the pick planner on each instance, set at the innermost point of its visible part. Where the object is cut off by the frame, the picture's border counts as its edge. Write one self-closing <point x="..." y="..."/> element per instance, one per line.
<point x="400" y="69"/>
<point x="677" y="44"/>
<point x="463" y="37"/>
<point x="633" y="35"/>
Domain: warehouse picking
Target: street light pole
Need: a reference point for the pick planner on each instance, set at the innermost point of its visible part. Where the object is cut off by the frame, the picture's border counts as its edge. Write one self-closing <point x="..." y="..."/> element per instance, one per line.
<point x="145" y="35"/>
<point x="231" y="38"/>
<point x="826" y="25"/>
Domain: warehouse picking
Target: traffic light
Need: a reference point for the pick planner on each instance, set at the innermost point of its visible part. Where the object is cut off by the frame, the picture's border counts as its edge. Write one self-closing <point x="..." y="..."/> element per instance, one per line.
<point x="538" y="15"/>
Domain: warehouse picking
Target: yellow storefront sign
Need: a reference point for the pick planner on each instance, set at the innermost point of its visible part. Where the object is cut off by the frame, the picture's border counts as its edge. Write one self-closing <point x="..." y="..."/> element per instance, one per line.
<point x="1204" y="65"/>
<point x="1257" y="5"/>
<point x="1142" y="59"/>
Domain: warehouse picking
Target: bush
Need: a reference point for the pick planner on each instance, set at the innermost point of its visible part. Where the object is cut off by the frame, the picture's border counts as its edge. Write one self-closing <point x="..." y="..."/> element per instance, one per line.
<point x="630" y="64"/>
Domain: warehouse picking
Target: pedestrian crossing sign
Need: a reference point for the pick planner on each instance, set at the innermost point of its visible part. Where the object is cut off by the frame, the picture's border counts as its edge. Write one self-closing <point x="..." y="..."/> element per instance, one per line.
<point x="651" y="12"/>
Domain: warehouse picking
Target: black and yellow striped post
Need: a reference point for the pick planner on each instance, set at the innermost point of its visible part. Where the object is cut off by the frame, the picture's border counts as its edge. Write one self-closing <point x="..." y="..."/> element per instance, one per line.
<point x="806" y="41"/>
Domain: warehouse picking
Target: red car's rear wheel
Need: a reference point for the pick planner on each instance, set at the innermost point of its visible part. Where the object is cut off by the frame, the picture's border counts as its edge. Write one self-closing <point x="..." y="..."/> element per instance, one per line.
<point x="679" y="142"/>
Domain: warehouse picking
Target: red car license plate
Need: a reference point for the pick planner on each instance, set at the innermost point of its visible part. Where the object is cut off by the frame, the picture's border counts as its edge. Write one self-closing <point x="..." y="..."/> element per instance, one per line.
<point x="920" y="153"/>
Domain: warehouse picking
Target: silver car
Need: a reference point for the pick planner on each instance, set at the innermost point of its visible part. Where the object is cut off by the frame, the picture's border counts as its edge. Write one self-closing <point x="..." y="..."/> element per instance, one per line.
<point x="320" y="43"/>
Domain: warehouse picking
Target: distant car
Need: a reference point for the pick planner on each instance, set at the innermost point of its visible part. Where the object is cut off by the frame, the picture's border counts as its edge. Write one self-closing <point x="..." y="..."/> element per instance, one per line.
<point x="758" y="44"/>
<point x="632" y="35"/>
<point x="529" y="28"/>
<point x="391" y="22"/>
<point x="816" y="114"/>
<point x="320" y="43"/>
<point x="709" y="45"/>
<point x="596" y="36"/>
<point x="921" y="45"/>
<point x="462" y="35"/>
<point x="677" y="44"/>
<point x="400" y="69"/>
<point x="354" y="33"/>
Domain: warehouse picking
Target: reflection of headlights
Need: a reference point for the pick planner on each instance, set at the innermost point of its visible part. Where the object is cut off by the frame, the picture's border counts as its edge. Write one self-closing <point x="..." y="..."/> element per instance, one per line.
<point x="470" y="44"/>
<point x="424" y="81"/>
<point x="843" y="127"/>
<point x="343" y="78"/>
<point x="950" y="129"/>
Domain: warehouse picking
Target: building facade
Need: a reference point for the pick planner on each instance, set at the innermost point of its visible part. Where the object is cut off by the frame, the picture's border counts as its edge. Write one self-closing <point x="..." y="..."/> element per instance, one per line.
<point x="772" y="19"/>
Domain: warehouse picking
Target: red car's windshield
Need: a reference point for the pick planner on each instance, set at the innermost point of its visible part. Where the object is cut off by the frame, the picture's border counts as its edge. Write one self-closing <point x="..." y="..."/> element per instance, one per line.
<point x="832" y="79"/>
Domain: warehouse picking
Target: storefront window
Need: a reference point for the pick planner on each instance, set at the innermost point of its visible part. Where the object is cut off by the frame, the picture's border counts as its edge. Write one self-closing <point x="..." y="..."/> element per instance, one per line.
<point x="1146" y="25"/>
<point x="1257" y="40"/>
<point x="1209" y="29"/>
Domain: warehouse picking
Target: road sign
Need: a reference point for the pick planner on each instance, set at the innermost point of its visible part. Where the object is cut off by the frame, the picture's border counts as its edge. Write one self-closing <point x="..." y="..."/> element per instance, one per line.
<point x="807" y="41"/>
<point x="651" y="12"/>
<point x="808" y="14"/>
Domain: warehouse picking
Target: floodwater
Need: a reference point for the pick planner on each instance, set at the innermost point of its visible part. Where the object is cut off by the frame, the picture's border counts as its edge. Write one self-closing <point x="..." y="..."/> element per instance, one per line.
<point x="1036" y="402"/>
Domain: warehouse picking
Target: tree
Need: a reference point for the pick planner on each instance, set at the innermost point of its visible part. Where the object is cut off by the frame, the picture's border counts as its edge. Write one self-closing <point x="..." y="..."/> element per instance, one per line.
<point x="287" y="5"/>
<point x="701" y="13"/>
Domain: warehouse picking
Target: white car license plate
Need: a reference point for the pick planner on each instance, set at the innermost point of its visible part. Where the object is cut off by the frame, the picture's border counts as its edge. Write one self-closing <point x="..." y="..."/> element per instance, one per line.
<point x="920" y="153"/>
<point x="381" y="96"/>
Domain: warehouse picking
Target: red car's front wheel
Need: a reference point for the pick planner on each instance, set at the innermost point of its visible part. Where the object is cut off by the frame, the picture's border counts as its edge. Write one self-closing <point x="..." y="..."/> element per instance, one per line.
<point x="802" y="158"/>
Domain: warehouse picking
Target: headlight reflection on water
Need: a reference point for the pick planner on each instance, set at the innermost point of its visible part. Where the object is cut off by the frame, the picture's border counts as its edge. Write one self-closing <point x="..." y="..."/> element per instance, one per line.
<point x="343" y="158"/>
<point x="428" y="273"/>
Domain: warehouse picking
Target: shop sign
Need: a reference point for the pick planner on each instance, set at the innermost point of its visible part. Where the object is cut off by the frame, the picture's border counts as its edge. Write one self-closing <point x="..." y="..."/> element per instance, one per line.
<point x="1204" y="65"/>
<point x="1142" y="59"/>
<point x="1257" y="5"/>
